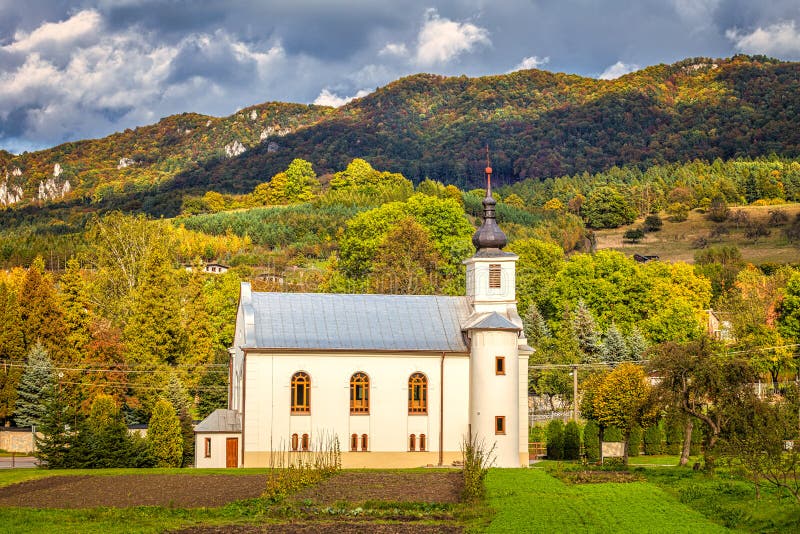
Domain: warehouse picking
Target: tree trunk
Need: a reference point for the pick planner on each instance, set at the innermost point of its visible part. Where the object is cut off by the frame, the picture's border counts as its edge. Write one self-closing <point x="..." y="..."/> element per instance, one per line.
<point x="687" y="441"/>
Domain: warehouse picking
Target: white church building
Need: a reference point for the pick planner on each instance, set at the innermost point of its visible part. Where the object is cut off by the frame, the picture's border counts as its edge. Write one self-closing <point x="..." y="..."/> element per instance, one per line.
<point x="400" y="380"/>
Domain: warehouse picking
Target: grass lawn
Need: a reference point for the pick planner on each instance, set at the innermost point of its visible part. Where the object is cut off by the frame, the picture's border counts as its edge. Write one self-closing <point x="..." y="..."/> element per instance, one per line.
<point x="674" y="242"/>
<point x="534" y="501"/>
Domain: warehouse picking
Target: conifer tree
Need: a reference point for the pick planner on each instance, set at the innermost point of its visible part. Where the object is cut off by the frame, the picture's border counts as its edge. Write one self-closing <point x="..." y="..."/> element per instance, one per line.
<point x="584" y="329"/>
<point x="637" y="344"/>
<point x="164" y="435"/>
<point x="36" y="386"/>
<point x="75" y="303"/>
<point x="40" y="311"/>
<point x="199" y="332"/>
<point x="614" y="348"/>
<point x="12" y="351"/>
<point x="536" y="328"/>
<point x="102" y="439"/>
<point x="213" y="388"/>
<point x="176" y="394"/>
<point x="57" y="434"/>
<point x="187" y="435"/>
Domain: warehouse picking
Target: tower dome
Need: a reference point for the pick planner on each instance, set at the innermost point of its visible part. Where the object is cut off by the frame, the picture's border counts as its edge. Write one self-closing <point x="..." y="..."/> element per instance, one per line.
<point x="489" y="236"/>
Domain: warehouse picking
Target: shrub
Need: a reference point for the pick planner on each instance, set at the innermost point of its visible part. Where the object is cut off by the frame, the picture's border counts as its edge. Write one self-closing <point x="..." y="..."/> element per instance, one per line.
<point x="653" y="440"/>
<point x="634" y="235"/>
<point x="612" y="433"/>
<point x="678" y="212"/>
<point x="555" y="440"/>
<point x="635" y="441"/>
<point x="674" y="436"/>
<point x="718" y="210"/>
<point x="778" y="217"/>
<point x="591" y="441"/>
<point x="652" y="223"/>
<point x="536" y="434"/>
<point x="477" y="459"/>
<point x="572" y="441"/>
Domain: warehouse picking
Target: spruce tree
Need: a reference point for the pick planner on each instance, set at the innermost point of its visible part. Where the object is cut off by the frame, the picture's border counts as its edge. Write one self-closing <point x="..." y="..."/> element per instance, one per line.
<point x="36" y="386"/>
<point x="164" y="435"/>
<point x="199" y="332"/>
<point x="213" y="387"/>
<point x="12" y="351"/>
<point x="591" y="441"/>
<point x="584" y="329"/>
<point x="102" y="439"/>
<point x="572" y="441"/>
<point x="57" y="434"/>
<point x="614" y="348"/>
<point x="536" y="328"/>
<point x="75" y="303"/>
<point x="187" y="434"/>
<point x="637" y="344"/>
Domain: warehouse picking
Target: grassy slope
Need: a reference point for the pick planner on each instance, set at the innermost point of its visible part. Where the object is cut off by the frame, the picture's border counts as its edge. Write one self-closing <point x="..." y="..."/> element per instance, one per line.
<point x="533" y="501"/>
<point x="674" y="241"/>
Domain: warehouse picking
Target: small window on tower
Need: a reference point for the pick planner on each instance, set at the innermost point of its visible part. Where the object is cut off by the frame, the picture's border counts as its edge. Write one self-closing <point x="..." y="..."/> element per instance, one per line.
<point x="494" y="275"/>
<point x="500" y="365"/>
<point x="500" y="424"/>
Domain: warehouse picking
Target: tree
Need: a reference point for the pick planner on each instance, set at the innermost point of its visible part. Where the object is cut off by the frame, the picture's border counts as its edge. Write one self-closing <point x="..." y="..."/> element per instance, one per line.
<point x="652" y="223"/>
<point x="585" y="332"/>
<point x="591" y="441"/>
<point x="614" y="349"/>
<point x="199" y="332"/>
<point x="678" y="212"/>
<point x="539" y="261"/>
<point x="607" y="208"/>
<point x="555" y="440"/>
<point x="102" y="439"/>
<point x="406" y="263"/>
<point x="623" y="400"/>
<point x="36" y="385"/>
<point x="572" y="441"/>
<point x="298" y="183"/>
<point x="718" y="211"/>
<point x="57" y="434"/>
<point x="634" y="235"/>
<point x="637" y="344"/>
<point x="40" y="310"/>
<point x="535" y="327"/>
<point x="11" y="350"/>
<point x="706" y="385"/>
<point x="164" y="435"/>
<point x="213" y="386"/>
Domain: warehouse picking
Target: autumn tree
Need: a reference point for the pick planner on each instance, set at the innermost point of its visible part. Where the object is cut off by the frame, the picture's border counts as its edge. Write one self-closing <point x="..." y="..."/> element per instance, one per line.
<point x="102" y="439"/>
<point x="623" y="400"/>
<point x="406" y="263"/>
<point x="12" y="350"/>
<point x="298" y="183"/>
<point x="199" y="331"/>
<point x="40" y="311"/>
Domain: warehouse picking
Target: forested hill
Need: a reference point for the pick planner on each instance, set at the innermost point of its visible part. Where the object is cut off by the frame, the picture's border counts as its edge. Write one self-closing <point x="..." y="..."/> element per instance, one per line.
<point x="538" y="124"/>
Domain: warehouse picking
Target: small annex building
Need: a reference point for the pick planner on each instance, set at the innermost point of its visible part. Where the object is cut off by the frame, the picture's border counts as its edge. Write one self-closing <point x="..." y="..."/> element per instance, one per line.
<point x="399" y="380"/>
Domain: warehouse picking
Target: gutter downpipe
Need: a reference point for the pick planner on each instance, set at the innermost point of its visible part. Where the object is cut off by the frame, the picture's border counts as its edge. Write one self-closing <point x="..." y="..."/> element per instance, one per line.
<point x="441" y="412"/>
<point x="244" y="398"/>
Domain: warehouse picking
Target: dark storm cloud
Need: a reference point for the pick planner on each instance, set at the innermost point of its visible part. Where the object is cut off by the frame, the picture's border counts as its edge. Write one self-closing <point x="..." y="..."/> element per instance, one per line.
<point x="70" y="70"/>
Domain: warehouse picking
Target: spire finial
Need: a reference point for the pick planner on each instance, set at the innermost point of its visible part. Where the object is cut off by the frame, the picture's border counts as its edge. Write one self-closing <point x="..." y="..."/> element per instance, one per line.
<point x="489" y="235"/>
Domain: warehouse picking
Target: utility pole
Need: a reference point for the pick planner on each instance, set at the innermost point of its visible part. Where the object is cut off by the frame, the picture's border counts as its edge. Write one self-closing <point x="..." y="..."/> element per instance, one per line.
<point x="575" y="393"/>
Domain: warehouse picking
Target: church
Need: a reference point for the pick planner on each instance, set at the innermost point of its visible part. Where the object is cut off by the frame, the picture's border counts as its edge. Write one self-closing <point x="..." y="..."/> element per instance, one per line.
<point x="399" y="380"/>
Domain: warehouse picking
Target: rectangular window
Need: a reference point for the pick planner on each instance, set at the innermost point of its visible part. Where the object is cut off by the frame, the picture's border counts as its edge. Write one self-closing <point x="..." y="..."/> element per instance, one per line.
<point x="500" y="365"/>
<point x="500" y="424"/>
<point x="208" y="448"/>
<point x="494" y="275"/>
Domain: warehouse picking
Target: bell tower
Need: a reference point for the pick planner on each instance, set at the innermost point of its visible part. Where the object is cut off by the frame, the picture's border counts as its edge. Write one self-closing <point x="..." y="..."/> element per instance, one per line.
<point x="498" y="353"/>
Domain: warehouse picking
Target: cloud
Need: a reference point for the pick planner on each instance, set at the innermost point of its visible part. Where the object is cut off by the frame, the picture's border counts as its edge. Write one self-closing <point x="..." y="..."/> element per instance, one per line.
<point x="780" y="39"/>
<point x="328" y="98"/>
<point x="618" y="69"/>
<point x="81" y="25"/>
<point x="699" y="13"/>
<point x="394" y="49"/>
<point x="440" y="40"/>
<point x="531" y="62"/>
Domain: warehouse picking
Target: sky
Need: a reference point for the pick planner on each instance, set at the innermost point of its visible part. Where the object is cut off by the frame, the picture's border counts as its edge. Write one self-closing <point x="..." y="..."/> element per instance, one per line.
<point x="80" y="69"/>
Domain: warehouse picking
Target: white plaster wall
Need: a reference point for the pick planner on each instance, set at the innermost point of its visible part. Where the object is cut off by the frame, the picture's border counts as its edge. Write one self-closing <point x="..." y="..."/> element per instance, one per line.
<point x="523" y="405"/>
<point x="268" y="422"/>
<point x="488" y="299"/>
<point x="217" y="458"/>
<point x="494" y="395"/>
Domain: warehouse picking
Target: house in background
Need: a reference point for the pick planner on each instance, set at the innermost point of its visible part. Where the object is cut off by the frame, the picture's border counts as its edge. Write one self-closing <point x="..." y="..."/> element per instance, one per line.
<point x="398" y="380"/>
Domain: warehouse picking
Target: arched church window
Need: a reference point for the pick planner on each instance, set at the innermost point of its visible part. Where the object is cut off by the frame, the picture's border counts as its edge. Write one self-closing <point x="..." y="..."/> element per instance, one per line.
<point x="295" y="442"/>
<point x="359" y="393"/>
<point x="422" y="442"/>
<point x="418" y="394"/>
<point x="305" y="442"/>
<point x="301" y="393"/>
<point x="412" y="442"/>
<point x="364" y="443"/>
<point x="354" y="442"/>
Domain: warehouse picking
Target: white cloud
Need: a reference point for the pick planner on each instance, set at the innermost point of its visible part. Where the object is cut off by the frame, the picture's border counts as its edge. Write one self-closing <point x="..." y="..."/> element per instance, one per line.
<point x="531" y="62"/>
<point x="780" y="39"/>
<point x="699" y="13"/>
<point x="82" y="24"/>
<point x="441" y="40"/>
<point x="328" y="98"/>
<point x="618" y="69"/>
<point x="394" y="49"/>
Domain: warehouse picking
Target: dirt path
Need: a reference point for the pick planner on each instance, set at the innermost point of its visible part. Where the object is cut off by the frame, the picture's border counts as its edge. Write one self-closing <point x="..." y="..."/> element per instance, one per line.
<point x="180" y="491"/>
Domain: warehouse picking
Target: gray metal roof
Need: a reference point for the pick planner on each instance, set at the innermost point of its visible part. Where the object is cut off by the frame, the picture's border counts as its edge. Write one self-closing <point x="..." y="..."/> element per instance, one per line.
<point x="221" y="421"/>
<point x="323" y="321"/>
<point x="490" y="321"/>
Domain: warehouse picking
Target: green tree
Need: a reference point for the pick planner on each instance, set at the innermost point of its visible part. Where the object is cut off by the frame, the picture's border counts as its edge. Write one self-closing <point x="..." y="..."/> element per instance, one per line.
<point x="633" y="235"/>
<point x="36" y="385"/>
<point x="555" y="440"/>
<point x="536" y="328"/>
<point x="652" y="223"/>
<point x="57" y="434"/>
<point x="164" y="435"/>
<point x="298" y="183"/>
<point x="637" y="344"/>
<point x="572" y="441"/>
<point x="591" y="441"/>
<point x="607" y="208"/>
<point x="102" y="439"/>
<point x="585" y="332"/>
<point x="539" y="261"/>
<point x="718" y="211"/>
<point x="678" y="212"/>
<point x="199" y="331"/>
<point x="614" y="349"/>
<point x="213" y="387"/>
<point x="406" y="263"/>
<point x="635" y="441"/>
<point x="653" y="440"/>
